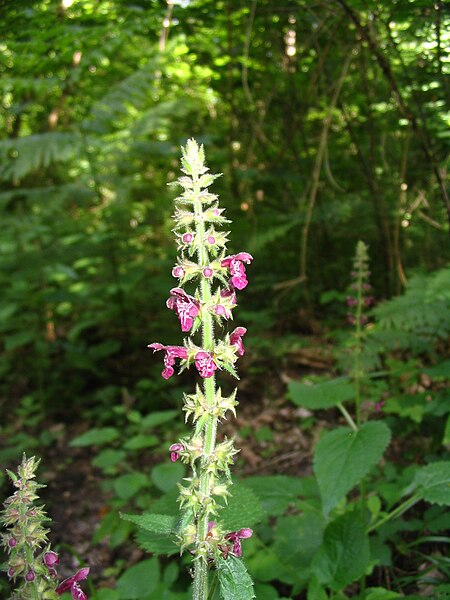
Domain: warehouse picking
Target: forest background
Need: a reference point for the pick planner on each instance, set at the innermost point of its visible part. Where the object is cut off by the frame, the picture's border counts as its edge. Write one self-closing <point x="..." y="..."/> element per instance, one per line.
<point x="329" y="121"/>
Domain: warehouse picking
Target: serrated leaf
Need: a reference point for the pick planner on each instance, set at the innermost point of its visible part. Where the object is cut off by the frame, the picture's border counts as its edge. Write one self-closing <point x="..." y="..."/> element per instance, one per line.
<point x="243" y="509"/>
<point x="234" y="580"/>
<point x="434" y="482"/>
<point x="166" y="475"/>
<point x="343" y="457"/>
<point x="156" y="543"/>
<point x="321" y="395"/>
<point x="276" y="492"/>
<point x="162" y="524"/>
<point x="344" y="554"/>
<point x="96" y="437"/>
<point x="139" y="580"/>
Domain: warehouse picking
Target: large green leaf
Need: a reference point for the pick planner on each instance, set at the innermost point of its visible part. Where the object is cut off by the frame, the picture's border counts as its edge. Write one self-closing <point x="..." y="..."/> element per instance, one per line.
<point x="344" y="554"/>
<point x="126" y="486"/>
<point x="343" y="457"/>
<point x="276" y="492"/>
<point x="162" y="524"/>
<point x="166" y="475"/>
<point x="434" y="482"/>
<point x="321" y="395"/>
<point x="379" y="593"/>
<point x="234" y="580"/>
<point x="139" y="580"/>
<point x="298" y="537"/>
<point x="156" y="532"/>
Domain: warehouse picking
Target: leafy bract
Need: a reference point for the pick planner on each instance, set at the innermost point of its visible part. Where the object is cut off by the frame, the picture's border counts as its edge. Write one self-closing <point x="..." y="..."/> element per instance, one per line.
<point x="234" y="580"/>
<point x="343" y="457"/>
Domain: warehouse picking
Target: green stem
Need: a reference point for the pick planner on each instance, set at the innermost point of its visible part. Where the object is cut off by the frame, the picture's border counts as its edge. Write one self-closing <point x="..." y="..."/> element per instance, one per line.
<point x="200" y="588"/>
<point x="347" y="416"/>
<point x="401" y="508"/>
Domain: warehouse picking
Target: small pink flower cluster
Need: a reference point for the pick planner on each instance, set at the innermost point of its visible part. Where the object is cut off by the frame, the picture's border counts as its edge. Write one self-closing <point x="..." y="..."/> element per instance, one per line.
<point x="358" y="299"/>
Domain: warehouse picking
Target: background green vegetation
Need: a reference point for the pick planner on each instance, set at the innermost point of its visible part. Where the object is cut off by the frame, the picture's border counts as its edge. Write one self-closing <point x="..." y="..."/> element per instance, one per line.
<point x="329" y="121"/>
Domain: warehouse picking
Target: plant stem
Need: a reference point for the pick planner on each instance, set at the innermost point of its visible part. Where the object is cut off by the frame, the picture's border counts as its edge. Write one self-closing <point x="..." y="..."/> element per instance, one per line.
<point x="401" y="508"/>
<point x="347" y="416"/>
<point x="200" y="588"/>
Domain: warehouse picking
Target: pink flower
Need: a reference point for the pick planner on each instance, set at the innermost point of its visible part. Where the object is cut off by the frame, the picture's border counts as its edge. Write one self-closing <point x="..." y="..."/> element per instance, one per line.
<point x="12" y="542"/>
<point x="236" y="537"/>
<point x="351" y="301"/>
<point x="237" y="269"/>
<point x="208" y="272"/>
<point x="236" y="339"/>
<point x="172" y="352"/>
<point x="187" y="238"/>
<point x="175" y="450"/>
<point x="178" y="272"/>
<point x="30" y="576"/>
<point x="71" y="584"/>
<point x="222" y="311"/>
<point x="205" y="364"/>
<point x="229" y="292"/>
<point x="211" y="239"/>
<point x="51" y="559"/>
<point x="185" y="306"/>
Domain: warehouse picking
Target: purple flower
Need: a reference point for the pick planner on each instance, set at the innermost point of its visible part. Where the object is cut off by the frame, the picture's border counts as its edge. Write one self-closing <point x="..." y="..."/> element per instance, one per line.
<point x="237" y="269"/>
<point x="236" y="339"/>
<point x="222" y="311"/>
<point x="187" y="238"/>
<point x="178" y="272"/>
<point x="172" y="352"/>
<point x="185" y="306"/>
<point x="71" y="584"/>
<point x="51" y="559"/>
<point x="229" y="292"/>
<point x="12" y="542"/>
<point x="351" y="301"/>
<point x="211" y="239"/>
<point x="378" y="406"/>
<point x="368" y="301"/>
<point x="10" y="572"/>
<point x="30" y="576"/>
<point x="205" y="364"/>
<point x="208" y="272"/>
<point x="236" y="537"/>
<point x="175" y="450"/>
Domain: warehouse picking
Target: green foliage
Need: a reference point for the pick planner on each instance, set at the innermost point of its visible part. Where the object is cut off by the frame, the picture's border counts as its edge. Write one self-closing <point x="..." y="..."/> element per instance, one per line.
<point x="343" y="457"/>
<point x="321" y="395"/>
<point x="235" y="583"/>
<point x="344" y="555"/>
<point x="139" y="581"/>
<point x="434" y="482"/>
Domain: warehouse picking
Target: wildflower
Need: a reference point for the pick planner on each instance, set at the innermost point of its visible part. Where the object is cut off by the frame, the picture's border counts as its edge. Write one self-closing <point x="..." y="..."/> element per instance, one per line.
<point x="236" y="537"/>
<point x="71" y="584"/>
<point x="236" y="339"/>
<point x="205" y="364"/>
<point x="230" y="293"/>
<point x="187" y="238"/>
<point x="185" y="306"/>
<point x="208" y="272"/>
<point x="221" y="311"/>
<point x="12" y="542"/>
<point x="30" y="576"/>
<point x="178" y="272"/>
<point x="352" y="301"/>
<point x="175" y="450"/>
<point x="211" y="239"/>
<point x="237" y="269"/>
<point x="51" y="559"/>
<point x="172" y="352"/>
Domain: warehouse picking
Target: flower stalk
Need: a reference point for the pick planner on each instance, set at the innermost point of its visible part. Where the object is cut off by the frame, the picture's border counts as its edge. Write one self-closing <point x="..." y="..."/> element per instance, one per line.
<point x="202" y="259"/>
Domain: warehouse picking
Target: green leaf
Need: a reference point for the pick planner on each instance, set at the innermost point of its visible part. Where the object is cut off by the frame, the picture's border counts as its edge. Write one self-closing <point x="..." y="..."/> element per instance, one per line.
<point x="321" y="395"/>
<point x="156" y="543"/>
<point x="263" y="591"/>
<point x="298" y="537"/>
<point x="434" y="482"/>
<point x="379" y="593"/>
<point x="163" y="524"/>
<point x="344" y="554"/>
<point x="243" y="509"/>
<point x="166" y="475"/>
<point x="276" y="492"/>
<point x="235" y="583"/>
<point x="96" y="437"/>
<point x="315" y="590"/>
<point x="446" y="437"/>
<point x="158" y="418"/>
<point x="108" y="458"/>
<point x="139" y="580"/>
<point x="343" y="457"/>
<point x="141" y="441"/>
<point x="129" y="484"/>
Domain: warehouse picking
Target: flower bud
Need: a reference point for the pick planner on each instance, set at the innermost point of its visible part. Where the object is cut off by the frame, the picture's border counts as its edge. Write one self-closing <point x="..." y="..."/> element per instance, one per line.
<point x="30" y="576"/>
<point x="187" y="238"/>
<point x="208" y="272"/>
<point x="178" y="272"/>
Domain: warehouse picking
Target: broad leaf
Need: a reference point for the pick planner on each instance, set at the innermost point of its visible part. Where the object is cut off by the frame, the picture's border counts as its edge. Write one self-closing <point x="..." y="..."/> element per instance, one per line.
<point x="434" y="482"/>
<point x="343" y="457"/>
<point x="158" y="418"/>
<point x="344" y="554"/>
<point x="126" y="486"/>
<point x="156" y="532"/>
<point x="321" y="395"/>
<point x="242" y="510"/>
<point x="276" y="492"/>
<point x="235" y="583"/>
<point x="379" y="593"/>
<point x="162" y="524"/>
<point x="139" y="580"/>
<point x="166" y="475"/>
